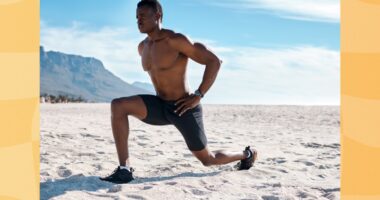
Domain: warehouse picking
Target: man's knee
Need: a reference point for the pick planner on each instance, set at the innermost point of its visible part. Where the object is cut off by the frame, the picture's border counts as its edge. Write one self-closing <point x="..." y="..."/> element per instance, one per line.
<point x="119" y="106"/>
<point x="115" y="104"/>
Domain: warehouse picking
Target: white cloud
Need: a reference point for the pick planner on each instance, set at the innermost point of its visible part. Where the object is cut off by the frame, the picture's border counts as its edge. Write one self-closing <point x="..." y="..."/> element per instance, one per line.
<point x="301" y="75"/>
<point x="310" y="10"/>
<point x="297" y="75"/>
<point x="115" y="47"/>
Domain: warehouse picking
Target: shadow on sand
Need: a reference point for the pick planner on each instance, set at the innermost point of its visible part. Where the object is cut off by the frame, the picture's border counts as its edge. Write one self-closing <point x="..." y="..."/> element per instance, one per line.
<point x="50" y="189"/>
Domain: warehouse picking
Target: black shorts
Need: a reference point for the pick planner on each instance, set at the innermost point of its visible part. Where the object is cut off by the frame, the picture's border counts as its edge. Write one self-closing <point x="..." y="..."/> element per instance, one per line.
<point x="190" y="124"/>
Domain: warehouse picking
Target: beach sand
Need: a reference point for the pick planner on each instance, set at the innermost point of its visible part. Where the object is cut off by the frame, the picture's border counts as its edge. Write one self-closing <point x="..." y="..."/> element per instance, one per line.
<point x="298" y="146"/>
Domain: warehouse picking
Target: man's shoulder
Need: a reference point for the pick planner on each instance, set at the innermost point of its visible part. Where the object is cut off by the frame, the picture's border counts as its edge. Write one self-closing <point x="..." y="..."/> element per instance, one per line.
<point x="143" y="41"/>
<point x="141" y="45"/>
<point x="177" y="38"/>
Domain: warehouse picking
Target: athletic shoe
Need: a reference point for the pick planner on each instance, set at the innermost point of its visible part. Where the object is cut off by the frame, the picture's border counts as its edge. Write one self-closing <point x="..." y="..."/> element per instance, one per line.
<point x="247" y="163"/>
<point x="119" y="176"/>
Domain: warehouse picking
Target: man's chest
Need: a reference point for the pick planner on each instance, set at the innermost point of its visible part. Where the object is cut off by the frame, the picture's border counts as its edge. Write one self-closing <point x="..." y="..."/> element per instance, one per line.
<point x="158" y="55"/>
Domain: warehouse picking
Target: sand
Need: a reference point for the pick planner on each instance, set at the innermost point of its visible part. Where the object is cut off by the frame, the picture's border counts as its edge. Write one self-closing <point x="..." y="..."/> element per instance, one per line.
<point x="299" y="154"/>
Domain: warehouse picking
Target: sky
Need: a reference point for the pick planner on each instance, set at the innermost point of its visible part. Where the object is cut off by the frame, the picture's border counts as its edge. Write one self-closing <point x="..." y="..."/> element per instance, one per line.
<point x="273" y="51"/>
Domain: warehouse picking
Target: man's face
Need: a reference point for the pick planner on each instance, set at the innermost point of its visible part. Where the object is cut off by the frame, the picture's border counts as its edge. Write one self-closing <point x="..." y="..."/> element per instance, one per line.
<point x="147" y="19"/>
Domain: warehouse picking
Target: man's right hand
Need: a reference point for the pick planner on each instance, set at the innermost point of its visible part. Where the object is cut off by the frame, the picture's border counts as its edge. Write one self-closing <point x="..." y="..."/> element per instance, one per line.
<point x="186" y="103"/>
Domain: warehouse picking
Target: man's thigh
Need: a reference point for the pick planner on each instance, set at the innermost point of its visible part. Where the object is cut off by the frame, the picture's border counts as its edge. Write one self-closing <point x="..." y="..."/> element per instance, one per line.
<point x="191" y="127"/>
<point x="155" y="110"/>
<point x="132" y="105"/>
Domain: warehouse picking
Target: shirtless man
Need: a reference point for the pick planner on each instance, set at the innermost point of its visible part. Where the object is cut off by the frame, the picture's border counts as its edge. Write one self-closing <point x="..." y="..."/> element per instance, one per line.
<point x="164" y="55"/>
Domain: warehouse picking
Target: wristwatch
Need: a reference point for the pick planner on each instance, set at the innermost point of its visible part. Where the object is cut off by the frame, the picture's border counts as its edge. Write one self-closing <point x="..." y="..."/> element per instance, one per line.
<point x="198" y="93"/>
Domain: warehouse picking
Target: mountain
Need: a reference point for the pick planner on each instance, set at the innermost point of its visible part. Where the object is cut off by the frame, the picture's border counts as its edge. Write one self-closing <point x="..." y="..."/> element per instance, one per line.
<point x="146" y="86"/>
<point x="78" y="76"/>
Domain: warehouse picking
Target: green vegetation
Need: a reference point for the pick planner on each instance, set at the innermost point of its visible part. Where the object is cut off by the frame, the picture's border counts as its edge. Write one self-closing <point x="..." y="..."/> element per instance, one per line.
<point x="48" y="98"/>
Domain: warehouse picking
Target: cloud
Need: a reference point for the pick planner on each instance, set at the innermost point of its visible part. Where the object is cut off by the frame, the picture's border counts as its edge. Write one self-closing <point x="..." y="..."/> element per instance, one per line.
<point x="115" y="47"/>
<point x="309" y="10"/>
<point x="296" y="75"/>
<point x="249" y="75"/>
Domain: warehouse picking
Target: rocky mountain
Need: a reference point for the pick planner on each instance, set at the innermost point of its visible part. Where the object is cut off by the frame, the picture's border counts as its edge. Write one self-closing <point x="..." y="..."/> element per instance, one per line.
<point x="78" y="76"/>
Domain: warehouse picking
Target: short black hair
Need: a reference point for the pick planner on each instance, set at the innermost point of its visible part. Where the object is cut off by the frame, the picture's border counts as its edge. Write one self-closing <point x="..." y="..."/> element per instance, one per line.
<point x="153" y="4"/>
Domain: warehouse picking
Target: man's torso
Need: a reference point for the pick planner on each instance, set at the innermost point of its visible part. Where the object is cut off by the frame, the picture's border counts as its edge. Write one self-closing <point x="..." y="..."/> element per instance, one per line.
<point x="166" y="67"/>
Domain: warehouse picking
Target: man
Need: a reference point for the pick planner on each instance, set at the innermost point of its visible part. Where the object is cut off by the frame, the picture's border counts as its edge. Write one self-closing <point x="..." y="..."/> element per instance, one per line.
<point x="164" y="55"/>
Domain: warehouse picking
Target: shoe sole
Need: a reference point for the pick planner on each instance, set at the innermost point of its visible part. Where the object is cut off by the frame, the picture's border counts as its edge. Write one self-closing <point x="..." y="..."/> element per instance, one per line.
<point x="116" y="182"/>
<point x="254" y="152"/>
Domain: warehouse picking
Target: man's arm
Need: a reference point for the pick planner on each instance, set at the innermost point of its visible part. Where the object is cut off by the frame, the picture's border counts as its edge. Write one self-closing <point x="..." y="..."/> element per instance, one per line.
<point x="140" y="49"/>
<point x="200" y="54"/>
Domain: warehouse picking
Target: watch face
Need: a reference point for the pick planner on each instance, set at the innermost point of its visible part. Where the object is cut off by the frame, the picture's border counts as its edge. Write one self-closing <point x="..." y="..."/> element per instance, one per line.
<point x="197" y="93"/>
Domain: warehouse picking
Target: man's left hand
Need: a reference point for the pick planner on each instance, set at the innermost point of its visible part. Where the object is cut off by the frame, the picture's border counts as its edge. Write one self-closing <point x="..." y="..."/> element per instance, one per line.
<point x="187" y="103"/>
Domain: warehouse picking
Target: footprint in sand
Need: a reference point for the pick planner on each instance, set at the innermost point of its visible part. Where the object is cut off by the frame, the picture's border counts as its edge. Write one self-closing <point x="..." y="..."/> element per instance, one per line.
<point x="142" y="144"/>
<point x="333" y="145"/>
<point x="147" y="187"/>
<point x="171" y="183"/>
<point x="282" y="170"/>
<point x="138" y="197"/>
<point x="212" y="188"/>
<point x="160" y="152"/>
<point x="44" y="174"/>
<point x="277" y="160"/>
<point x="89" y="135"/>
<point x="311" y="145"/>
<point x="98" y="167"/>
<point x="270" y="198"/>
<point x="66" y="136"/>
<point x="322" y="176"/>
<point x="63" y="172"/>
<point x="185" y="165"/>
<point x="86" y="154"/>
<point x="307" y="163"/>
<point x="138" y="130"/>
<point x="44" y="160"/>
<point x="198" y="192"/>
<point x="142" y="137"/>
<point x="302" y="195"/>
<point x="225" y="181"/>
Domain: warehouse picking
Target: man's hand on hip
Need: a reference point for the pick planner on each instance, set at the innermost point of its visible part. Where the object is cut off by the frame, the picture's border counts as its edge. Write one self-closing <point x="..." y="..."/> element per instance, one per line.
<point x="187" y="103"/>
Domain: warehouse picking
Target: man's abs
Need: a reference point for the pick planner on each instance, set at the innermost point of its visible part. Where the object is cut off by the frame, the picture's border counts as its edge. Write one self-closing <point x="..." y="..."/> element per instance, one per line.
<point x="170" y="88"/>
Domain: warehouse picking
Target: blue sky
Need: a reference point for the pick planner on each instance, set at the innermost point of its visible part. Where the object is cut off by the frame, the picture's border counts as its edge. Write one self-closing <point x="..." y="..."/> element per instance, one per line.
<point x="275" y="51"/>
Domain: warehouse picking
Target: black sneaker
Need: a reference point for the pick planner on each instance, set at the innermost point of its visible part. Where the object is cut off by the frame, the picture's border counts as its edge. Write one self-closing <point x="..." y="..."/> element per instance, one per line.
<point x="247" y="163"/>
<point x="119" y="176"/>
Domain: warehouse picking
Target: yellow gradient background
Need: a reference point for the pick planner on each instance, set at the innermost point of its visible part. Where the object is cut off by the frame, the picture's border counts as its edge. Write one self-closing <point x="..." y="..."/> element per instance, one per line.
<point x="360" y="99"/>
<point x="19" y="99"/>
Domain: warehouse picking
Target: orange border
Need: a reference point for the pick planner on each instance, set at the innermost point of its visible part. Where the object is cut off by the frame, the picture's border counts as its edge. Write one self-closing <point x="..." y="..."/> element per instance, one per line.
<point x="19" y="99"/>
<point x="360" y="99"/>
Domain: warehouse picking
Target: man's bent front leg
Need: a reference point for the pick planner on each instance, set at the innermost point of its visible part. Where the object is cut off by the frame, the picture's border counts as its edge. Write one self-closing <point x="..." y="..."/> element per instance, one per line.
<point x="120" y="110"/>
<point x="120" y="130"/>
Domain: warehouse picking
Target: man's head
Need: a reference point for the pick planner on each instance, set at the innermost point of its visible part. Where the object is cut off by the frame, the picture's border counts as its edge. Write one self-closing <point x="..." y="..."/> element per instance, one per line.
<point x="149" y="15"/>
